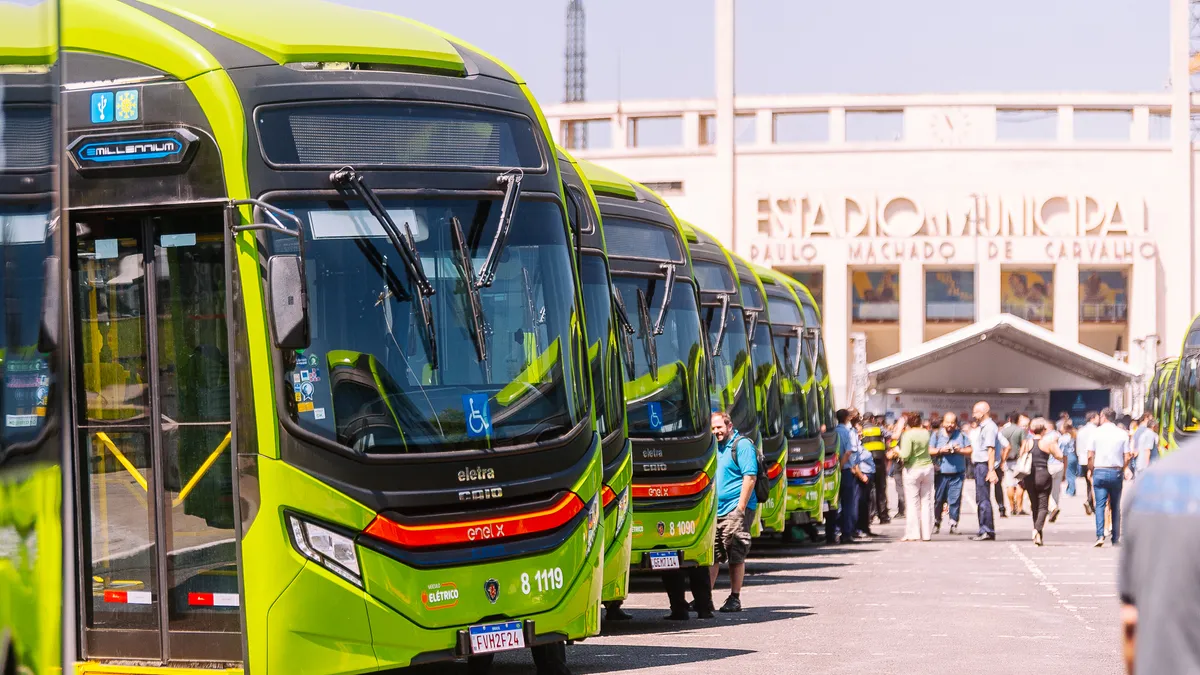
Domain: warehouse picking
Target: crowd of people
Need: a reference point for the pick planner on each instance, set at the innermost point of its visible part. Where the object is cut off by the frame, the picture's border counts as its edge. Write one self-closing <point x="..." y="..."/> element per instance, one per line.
<point x="1013" y="462"/>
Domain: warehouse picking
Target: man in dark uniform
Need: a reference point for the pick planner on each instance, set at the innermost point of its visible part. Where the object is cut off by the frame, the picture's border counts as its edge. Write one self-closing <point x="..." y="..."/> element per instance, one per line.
<point x="873" y="442"/>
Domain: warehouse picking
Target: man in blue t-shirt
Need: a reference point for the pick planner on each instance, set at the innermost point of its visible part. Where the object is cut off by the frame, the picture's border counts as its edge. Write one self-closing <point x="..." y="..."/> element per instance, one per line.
<point x="949" y="448"/>
<point x="737" y="469"/>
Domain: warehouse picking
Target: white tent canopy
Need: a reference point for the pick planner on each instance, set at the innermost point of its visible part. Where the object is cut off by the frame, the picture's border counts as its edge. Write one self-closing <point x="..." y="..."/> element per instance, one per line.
<point x="1004" y="352"/>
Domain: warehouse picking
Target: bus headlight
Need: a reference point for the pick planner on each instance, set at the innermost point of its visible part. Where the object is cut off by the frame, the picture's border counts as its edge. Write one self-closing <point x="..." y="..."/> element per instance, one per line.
<point x="329" y="549"/>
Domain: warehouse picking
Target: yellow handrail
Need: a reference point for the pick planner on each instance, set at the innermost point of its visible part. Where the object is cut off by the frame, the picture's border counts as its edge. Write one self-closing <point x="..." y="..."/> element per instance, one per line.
<point x="112" y="447"/>
<point x="212" y="458"/>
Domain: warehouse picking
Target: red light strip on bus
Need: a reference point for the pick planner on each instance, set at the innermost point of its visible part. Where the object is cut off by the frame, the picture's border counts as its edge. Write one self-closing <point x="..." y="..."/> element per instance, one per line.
<point x="128" y="597"/>
<point x="449" y="534"/>
<point x="803" y="472"/>
<point x="691" y="487"/>
<point x="831" y="462"/>
<point x="607" y="496"/>
<point x="213" y="599"/>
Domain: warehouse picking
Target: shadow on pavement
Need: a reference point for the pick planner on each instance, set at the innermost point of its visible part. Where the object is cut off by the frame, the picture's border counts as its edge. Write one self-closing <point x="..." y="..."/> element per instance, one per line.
<point x="650" y="621"/>
<point x="609" y="658"/>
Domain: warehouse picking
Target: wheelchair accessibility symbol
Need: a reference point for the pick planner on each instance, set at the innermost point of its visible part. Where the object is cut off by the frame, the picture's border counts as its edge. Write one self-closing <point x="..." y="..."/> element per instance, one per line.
<point x="654" y="409"/>
<point x="479" y="418"/>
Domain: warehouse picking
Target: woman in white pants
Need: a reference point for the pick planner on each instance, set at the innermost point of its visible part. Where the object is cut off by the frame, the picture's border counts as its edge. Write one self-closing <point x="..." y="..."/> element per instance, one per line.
<point x="913" y="451"/>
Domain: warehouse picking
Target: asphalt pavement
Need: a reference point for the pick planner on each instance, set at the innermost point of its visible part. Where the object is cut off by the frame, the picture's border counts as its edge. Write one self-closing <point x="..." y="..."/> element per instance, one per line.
<point x="885" y="606"/>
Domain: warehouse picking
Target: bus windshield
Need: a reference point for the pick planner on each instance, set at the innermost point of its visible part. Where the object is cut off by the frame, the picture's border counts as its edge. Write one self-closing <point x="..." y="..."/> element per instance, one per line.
<point x="733" y="382"/>
<point x="799" y="411"/>
<point x="673" y="404"/>
<point x="603" y="353"/>
<point x="766" y="381"/>
<point x="24" y="245"/>
<point x="378" y="378"/>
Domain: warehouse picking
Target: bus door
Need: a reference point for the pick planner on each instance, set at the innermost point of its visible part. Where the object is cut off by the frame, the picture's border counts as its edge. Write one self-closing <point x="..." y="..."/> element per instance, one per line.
<point x="159" y="544"/>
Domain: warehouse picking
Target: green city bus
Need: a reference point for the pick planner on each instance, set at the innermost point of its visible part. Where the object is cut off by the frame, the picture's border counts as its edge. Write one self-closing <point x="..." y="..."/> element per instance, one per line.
<point x="610" y="346"/>
<point x="731" y="371"/>
<point x="292" y="456"/>
<point x="1160" y="400"/>
<point x="767" y="397"/>
<point x="808" y="490"/>
<point x="667" y="387"/>
<point x="1185" y="409"/>
<point x="33" y="531"/>
<point x="826" y="408"/>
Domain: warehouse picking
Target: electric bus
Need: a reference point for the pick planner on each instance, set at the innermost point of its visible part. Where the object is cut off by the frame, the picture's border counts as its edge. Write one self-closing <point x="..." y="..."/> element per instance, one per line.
<point x="1185" y="418"/>
<point x="32" y="528"/>
<point x="807" y="490"/>
<point x="1160" y="400"/>
<point x="610" y="347"/>
<point x="667" y="388"/>
<point x="731" y="371"/>
<point x="826" y="408"/>
<point x="767" y="376"/>
<point x="334" y="411"/>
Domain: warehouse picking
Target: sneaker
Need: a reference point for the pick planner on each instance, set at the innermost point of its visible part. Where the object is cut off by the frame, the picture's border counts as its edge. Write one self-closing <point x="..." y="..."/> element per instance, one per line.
<point x="1099" y="543"/>
<point x="937" y="528"/>
<point x="984" y="537"/>
<point x="954" y="528"/>
<point x="732" y="604"/>
<point x="677" y="616"/>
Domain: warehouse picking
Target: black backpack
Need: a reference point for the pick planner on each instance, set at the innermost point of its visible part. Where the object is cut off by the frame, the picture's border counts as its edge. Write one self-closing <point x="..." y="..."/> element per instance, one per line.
<point x="762" y="483"/>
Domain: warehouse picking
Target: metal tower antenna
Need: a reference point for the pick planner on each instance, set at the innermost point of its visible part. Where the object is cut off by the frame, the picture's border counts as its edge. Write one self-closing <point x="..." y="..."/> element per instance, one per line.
<point x="576" y="68"/>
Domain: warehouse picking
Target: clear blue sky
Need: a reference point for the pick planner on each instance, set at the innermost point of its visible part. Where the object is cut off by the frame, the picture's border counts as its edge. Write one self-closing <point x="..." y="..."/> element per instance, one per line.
<point x="665" y="47"/>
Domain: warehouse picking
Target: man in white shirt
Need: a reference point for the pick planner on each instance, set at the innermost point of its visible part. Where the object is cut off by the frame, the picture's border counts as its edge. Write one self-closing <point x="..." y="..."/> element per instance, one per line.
<point x="1108" y="457"/>
<point x="1083" y="445"/>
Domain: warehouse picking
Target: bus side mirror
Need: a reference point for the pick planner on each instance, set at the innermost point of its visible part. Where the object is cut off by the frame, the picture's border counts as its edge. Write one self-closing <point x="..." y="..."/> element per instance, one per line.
<point x="51" y="306"/>
<point x="288" y="301"/>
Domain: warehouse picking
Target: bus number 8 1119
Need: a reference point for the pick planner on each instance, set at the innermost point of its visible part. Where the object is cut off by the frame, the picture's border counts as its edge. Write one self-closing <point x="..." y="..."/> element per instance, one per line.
<point x="546" y="580"/>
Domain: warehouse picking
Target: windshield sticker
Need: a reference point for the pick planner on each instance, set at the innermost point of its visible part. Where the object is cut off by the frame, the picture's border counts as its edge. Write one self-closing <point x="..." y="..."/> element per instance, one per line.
<point x="654" y="410"/>
<point x="106" y="248"/>
<point x="306" y="391"/>
<point x="295" y="378"/>
<point x="795" y="426"/>
<point x="312" y="360"/>
<point x="354" y="223"/>
<point x="479" y="418"/>
<point x="305" y="407"/>
<point x="305" y="376"/>
<point x="318" y="413"/>
<point x="178" y="240"/>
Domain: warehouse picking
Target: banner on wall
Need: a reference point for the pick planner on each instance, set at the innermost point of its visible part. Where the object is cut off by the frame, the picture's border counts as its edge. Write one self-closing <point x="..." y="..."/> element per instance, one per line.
<point x="892" y="405"/>
<point x="950" y="295"/>
<point x="876" y="295"/>
<point x="1103" y="295"/>
<point x="1077" y="402"/>
<point x="1028" y="294"/>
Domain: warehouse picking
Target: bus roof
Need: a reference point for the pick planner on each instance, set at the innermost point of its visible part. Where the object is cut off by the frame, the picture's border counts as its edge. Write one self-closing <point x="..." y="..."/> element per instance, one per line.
<point x="609" y="182"/>
<point x="293" y="31"/>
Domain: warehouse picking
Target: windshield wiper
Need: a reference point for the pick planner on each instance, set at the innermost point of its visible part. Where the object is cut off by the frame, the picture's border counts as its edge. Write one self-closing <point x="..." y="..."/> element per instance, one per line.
<point x="721" y="330"/>
<point x="479" y="327"/>
<point x="651" y="346"/>
<point x="627" y="329"/>
<point x="670" y="288"/>
<point x="512" y="194"/>
<point x="753" y="318"/>
<point x="347" y="177"/>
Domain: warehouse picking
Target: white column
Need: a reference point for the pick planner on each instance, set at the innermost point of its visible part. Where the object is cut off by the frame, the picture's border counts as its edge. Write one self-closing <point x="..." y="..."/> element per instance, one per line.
<point x="987" y="289"/>
<point x="724" y="203"/>
<point x="1139" y="131"/>
<point x="1143" y="316"/>
<point x="837" y="126"/>
<point x="912" y="305"/>
<point x="1066" y="300"/>
<point x="691" y="130"/>
<point x="764" y="127"/>
<point x="1180" y="297"/>
<point x="836" y="327"/>
<point x="1066" y="124"/>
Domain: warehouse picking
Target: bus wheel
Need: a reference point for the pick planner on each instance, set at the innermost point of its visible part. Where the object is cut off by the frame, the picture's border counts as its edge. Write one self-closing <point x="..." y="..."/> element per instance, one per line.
<point x="480" y="665"/>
